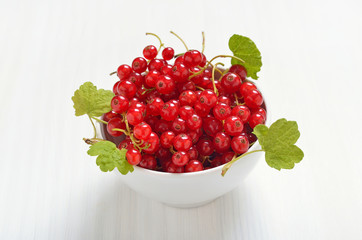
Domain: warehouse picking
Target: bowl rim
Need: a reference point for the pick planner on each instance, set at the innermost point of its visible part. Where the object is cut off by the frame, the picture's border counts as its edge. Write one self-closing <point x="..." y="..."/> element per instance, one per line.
<point x="207" y="171"/>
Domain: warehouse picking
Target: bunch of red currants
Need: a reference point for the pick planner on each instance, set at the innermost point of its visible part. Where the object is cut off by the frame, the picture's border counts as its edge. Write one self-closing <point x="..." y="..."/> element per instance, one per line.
<point x="183" y="117"/>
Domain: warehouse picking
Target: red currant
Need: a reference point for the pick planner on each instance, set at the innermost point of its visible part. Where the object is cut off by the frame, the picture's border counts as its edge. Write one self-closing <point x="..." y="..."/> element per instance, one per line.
<point x="208" y="98"/>
<point x="156" y="64"/>
<point x="239" y="70"/>
<point x="192" y="58"/>
<point x="261" y="111"/>
<point x="168" y="53"/>
<point x="133" y="156"/>
<point x="246" y="87"/>
<point x="169" y="111"/>
<point x="178" y="126"/>
<point x="211" y="126"/>
<point x="180" y="73"/>
<point x="134" y="116"/>
<point x="148" y="161"/>
<point x="233" y="126"/>
<point x="139" y="65"/>
<point x="150" y="52"/>
<point x="119" y="104"/>
<point x="166" y="139"/>
<point x="242" y="112"/>
<point x="185" y="112"/>
<point x="166" y="70"/>
<point x="240" y="144"/>
<point x="194" y="166"/>
<point x="221" y="111"/>
<point x="115" y="88"/>
<point x="194" y="122"/>
<point x="180" y="158"/>
<point x="221" y="142"/>
<point x="154" y="106"/>
<point x="165" y="84"/>
<point x="256" y="119"/>
<point x="109" y="115"/>
<point x="115" y="122"/>
<point x="182" y="142"/>
<point x="227" y="157"/>
<point x="127" y="89"/>
<point x="153" y="142"/>
<point x="172" y="168"/>
<point x="136" y="78"/>
<point x="162" y="126"/>
<point x="187" y="98"/>
<point x="142" y="131"/>
<point x="253" y="99"/>
<point x="124" y="71"/>
<point x="205" y="147"/>
<point x="193" y="153"/>
<point x="230" y="82"/>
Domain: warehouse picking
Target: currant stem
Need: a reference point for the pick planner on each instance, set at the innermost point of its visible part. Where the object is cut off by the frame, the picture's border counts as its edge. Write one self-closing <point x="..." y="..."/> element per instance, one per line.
<point x="92" y="141"/>
<point x="99" y="120"/>
<point x="159" y="39"/>
<point x="236" y="98"/>
<point x="180" y="40"/>
<point x="94" y="127"/>
<point x="203" y="42"/>
<point x="213" y="77"/>
<point x="198" y="87"/>
<point x="113" y="73"/>
<point x="120" y="130"/>
<point x="228" y="165"/>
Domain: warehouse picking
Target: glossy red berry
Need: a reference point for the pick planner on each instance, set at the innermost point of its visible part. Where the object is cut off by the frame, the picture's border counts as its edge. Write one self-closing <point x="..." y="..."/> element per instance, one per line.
<point x="136" y="78"/>
<point x="180" y="73"/>
<point x="240" y="144"/>
<point x="166" y="139"/>
<point x="115" y="122"/>
<point x="261" y="111"/>
<point x="179" y="59"/>
<point x="178" y="126"/>
<point x="185" y="112"/>
<point x="221" y="142"/>
<point x="165" y="84"/>
<point x="188" y="98"/>
<point x="194" y="166"/>
<point x="115" y="88"/>
<point x="172" y="168"/>
<point x="119" y="104"/>
<point x="253" y="99"/>
<point x="194" y="135"/>
<point x="168" y="53"/>
<point x="166" y="70"/>
<point x="225" y="100"/>
<point x="193" y="153"/>
<point x="109" y="115"/>
<point x="134" y="116"/>
<point x="142" y="131"/>
<point x="188" y="85"/>
<point x="124" y="71"/>
<point x="211" y="126"/>
<point x="148" y="161"/>
<point x="233" y="126"/>
<point x="230" y="82"/>
<point x="138" y="105"/>
<point x="192" y="58"/>
<point x="242" y="112"/>
<point x="239" y="70"/>
<point x="180" y="158"/>
<point x="208" y="99"/>
<point x="139" y="65"/>
<point x="182" y="142"/>
<point x="154" y="106"/>
<point x="153" y="143"/>
<point x="133" y="156"/>
<point x="194" y="122"/>
<point x="127" y="89"/>
<point x="205" y="147"/>
<point x="150" y="52"/>
<point x="221" y="111"/>
<point x="256" y="119"/>
<point x="227" y="157"/>
<point x="126" y="143"/>
<point x="203" y="61"/>
<point x="201" y="110"/>
<point x="162" y="126"/>
<point x="169" y="111"/>
<point x="156" y="64"/>
<point x="246" y="87"/>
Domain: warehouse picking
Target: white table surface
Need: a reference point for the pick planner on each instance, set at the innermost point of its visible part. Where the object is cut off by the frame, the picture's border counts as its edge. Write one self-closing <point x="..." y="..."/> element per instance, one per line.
<point x="50" y="188"/>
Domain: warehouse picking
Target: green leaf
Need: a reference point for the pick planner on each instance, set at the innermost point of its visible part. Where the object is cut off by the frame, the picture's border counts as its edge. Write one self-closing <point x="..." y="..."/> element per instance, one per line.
<point x="278" y="143"/>
<point x="88" y="100"/>
<point x="109" y="157"/>
<point x="244" y="48"/>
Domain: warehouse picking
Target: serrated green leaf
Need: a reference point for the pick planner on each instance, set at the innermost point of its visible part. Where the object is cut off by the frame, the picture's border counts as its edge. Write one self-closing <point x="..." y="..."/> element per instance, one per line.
<point x="244" y="48"/>
<point x="278" y="143"/>
<point x="109" y="157"/>
<point x="88" y="100"/>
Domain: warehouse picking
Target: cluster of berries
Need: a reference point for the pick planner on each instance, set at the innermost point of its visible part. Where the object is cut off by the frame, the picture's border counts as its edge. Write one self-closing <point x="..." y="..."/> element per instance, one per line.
<point x="186" y="116"/>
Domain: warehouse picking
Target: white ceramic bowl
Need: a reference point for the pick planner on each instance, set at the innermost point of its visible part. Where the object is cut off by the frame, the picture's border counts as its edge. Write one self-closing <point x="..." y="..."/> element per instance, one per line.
<point x="186" y="190"/>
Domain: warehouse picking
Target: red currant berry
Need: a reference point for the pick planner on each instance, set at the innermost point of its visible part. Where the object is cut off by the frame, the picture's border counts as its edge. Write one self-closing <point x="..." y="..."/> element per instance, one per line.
<point x="205" y="147"/>
<point x="208" y="99"/>
<point x="186" y="86"/>
<point x="185" y="112"/>
<point x="246" y="87"/>
<point x="179" y="59"/>
<point x="163" y="154"/>
<point x="227" y="157"/>
<point x="136" y="78"/>
<point x="239" y="70"/>
<point x="180" y="158"/>
<point x="225" y="100"/>
<point x="139" y="106"/>
<point x="178" y="126"/>
<point x="148" y="161"/>
<point x="133" y="156"/>
<point x="156" y="64"/>
<point x="261" y="111"/>
<point x="230" y="82"/>
<point x="115" y="88"/>
<point x="211" y="126"/>
<point x="205" y="82"/>
<point x="201" y="110"/>
<point x="203" y="61"/>
<point x="256" y="119"/>
<point x="194" y="136"/>
<point x="124" y="71"/>
<point x="180" y="73"/>
<point x="194" y="122"/>
<point x="187" y="98"/>
<point x="253" y="99"/>
<point x="126" y="143"/>
<point x="182" y="142"/>
<point x="151" y="78"/>
<point x="166" y="139"/>
<point x="240" y="144"/>
<point x="242" y="112"/>
<point x="154" y="106"/>
<point x="169" y="111"/>
<point x="194" y="166"/>
<point x="193" y="153"/>
<point x="207" y="73"/>
<point x="165" y="84"/>
<point x="119" y="104"/>
<point x="134" y="116"/>
<point x="198" y="78"/>
<point x="221" y="111"/>
<point x="115" y="122"/>
<point x="233" y="126"/>
<point x="166" y="70"/>
<point x="109" y="115"/>
<point x="168" y="53"/>
<point x="142" y="131"/>
<point x="221" y="142"/>
<point x="172" y="168"/>
<point x="153" y="143"/>
<point x="150" y="52"/>
<point x="192" y="58"/>
<point x="127" y="89"/>
<point x="162" y="126"/>
<point x="139" y="65"/>
<point x="216" y="162"/>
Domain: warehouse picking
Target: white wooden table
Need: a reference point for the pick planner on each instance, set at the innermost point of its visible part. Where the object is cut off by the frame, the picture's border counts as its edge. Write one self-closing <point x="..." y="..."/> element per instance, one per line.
<point x="50" y="188"/>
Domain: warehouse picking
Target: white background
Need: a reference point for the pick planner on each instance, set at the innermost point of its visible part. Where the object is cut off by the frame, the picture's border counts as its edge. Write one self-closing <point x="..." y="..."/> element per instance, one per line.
<point x="50" y="188"/>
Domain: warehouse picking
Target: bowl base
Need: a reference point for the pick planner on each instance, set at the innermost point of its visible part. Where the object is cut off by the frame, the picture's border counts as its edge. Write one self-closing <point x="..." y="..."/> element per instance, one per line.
<point x="192" y="205"/>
